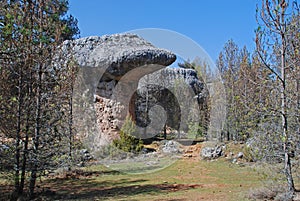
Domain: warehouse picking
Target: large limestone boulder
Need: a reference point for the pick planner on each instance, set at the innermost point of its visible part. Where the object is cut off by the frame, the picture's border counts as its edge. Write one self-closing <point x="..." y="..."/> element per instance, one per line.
<point x="104" y="61"/>
<point x="124" y="74"/>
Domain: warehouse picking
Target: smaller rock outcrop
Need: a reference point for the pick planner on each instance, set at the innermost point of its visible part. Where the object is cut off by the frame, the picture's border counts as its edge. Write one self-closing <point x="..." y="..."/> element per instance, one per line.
<point x="170" y="147"/>
<point x="212" y="150"/>
<point x="178" y="91"/>
<point x="240" y="155"/>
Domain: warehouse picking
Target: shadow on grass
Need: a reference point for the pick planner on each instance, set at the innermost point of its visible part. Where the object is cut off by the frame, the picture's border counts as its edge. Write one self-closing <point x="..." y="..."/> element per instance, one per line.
<point x="139" y="170"/>
<point x="79" y="173"/>
<point x="86" y="183"/>
<point x="88" y="186"/>
<point x="123" y="191"/>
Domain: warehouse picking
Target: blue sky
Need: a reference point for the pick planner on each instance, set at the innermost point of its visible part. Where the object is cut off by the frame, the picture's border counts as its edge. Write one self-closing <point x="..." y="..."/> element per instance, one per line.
<point x="208" y="23"/>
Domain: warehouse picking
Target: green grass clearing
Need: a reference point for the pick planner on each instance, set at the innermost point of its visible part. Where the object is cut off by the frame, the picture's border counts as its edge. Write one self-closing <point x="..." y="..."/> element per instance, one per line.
<point x="186" y="179"/>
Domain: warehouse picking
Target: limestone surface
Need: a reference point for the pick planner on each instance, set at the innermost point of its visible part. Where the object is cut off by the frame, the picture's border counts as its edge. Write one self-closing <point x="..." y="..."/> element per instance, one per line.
<point x="104" y="63"/>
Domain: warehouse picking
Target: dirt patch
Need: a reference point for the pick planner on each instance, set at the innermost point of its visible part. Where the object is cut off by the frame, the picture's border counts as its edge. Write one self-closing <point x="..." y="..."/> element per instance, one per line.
<point x="192" y="151"/>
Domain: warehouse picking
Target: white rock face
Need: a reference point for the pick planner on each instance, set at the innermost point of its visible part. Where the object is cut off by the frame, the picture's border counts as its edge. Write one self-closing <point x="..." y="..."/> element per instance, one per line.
<point x="118" y="53"/>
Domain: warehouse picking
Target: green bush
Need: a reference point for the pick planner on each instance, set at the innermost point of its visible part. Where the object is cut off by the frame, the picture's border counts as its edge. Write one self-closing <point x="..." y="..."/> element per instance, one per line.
<point x="127" y="142"/>
<point x="250" y="154"/>
<point x="195" y="130"/>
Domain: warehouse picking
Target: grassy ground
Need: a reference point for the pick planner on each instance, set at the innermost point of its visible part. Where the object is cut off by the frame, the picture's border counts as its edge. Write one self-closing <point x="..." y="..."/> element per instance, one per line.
<point x="186" y="179"/>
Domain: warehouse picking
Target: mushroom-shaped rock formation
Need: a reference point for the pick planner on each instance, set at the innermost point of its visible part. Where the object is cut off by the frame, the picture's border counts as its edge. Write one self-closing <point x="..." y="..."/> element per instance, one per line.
<point x="106" y="62"/>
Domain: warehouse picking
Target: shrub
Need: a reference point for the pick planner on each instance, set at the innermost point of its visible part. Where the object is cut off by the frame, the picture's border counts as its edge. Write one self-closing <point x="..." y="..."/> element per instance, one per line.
<point x="195" y="130"/>
<point x="249" y="154"/>
<point x="127" y="142"/>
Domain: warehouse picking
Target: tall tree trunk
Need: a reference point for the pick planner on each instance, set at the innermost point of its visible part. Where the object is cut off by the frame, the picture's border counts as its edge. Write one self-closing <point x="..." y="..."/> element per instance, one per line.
<point x="25" y="154"/>
<point x="18" y="132"/>
<point x="165" y="131"/>
<point x="36" y="134"/>
<point x="273" y="16"/>
<point x="285" y="134"/>
<point x="70" y="127"/>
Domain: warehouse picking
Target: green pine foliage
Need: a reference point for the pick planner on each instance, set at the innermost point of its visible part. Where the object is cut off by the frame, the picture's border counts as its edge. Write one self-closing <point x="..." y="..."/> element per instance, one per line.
<point x="195" y="130"/>
<point x="127" y="142"/>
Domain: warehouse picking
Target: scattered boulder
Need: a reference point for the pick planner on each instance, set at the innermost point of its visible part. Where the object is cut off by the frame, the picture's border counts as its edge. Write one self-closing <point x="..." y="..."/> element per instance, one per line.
<point x="212" y="150"/>
<point x="170" y="147"/>
<point x="146" y="150"/>
<point x="240" y="155"/>
<point x="85" y="155"/>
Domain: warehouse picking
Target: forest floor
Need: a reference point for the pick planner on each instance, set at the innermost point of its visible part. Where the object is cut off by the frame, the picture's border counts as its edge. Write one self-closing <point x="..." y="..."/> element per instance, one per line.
<point x="188" y="178"/>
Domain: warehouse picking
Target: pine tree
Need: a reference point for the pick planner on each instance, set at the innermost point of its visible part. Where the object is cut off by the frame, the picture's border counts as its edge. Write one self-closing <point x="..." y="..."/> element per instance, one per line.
<point x="30" y="32"/>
